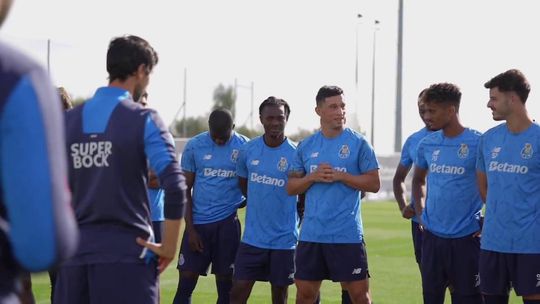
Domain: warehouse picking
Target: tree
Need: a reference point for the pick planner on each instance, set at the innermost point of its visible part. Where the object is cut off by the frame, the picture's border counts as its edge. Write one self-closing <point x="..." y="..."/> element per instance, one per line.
<point x="194" y="126"/>
<point x="225" y="97"/>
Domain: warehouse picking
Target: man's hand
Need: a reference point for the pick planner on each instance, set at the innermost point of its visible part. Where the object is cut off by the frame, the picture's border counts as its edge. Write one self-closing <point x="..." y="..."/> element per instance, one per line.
<point x="323" y="174"/>
<point x="195" y="242"/>
<point x="165" y="256"/>
<point x="407" y="212"/>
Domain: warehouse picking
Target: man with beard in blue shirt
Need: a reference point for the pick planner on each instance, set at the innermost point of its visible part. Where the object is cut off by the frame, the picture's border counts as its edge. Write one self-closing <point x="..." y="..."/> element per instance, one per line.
<point x="212" y="232"/>
<point x="451" y="216"/>
<point x="509" y="178"/>
<point x="266" y="252"/>
<point x="332" y="167"/>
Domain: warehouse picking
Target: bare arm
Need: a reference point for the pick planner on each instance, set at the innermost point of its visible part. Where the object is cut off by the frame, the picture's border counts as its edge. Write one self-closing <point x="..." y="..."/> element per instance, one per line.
<point x="188" y="216"/>
<point x="400" y="191"/>
<point x="367" y="182"/>
<point x="419" y="191"/>
<point x="482" y="184"/>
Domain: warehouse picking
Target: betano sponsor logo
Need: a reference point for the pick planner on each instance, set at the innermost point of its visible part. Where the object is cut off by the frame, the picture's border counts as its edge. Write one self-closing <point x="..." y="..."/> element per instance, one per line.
<point x="266" y="180"/>
<point x="507" y="168"/>
<point x="313" y="168"/>
<point x="209" y="172"/>
<point x="445" y="169"/>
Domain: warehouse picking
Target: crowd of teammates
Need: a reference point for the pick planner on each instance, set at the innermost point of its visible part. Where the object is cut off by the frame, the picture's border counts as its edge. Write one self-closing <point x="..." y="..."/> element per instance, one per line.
<point x="117" y="149"/>
<point x="478" y="260"/>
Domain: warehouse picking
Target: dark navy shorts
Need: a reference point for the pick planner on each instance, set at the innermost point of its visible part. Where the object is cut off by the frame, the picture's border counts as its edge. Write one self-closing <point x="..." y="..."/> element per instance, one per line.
<point x="417" y="234"/>
<point x="269" y="265"/>
<point x="336" y="262"/>
<point x="220" y="241"/>
<point x="501" y="271"/>
<point x="107" y="283"/>
<point x="450" y="263"/>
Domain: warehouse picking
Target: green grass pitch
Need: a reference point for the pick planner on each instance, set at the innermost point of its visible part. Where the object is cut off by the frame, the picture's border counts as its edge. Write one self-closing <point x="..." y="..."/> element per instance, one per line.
<point x="394" y="279"/>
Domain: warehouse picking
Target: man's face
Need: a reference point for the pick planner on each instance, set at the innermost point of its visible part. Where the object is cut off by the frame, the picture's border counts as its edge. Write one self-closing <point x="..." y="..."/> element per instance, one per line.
<point x="5" y="5"/>
<point x="422" y="110"/>
<point x="332" y="112"/>
<point x="499" y="103"/>
<point x="273" y="119"/>
<point x="437" y="115"/>
<point x="142" y="80"/>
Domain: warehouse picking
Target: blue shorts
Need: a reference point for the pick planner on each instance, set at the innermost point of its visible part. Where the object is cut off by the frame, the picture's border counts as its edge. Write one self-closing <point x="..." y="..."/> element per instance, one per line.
<point x="450" y="263"/>
<point x="336" y="262"/>
<point x="220" y="241"/>
<point x="259" y="264"/>
<point x="417" y="240"/>
<point x="107" y="283"/>
<point x="501" y="271"/>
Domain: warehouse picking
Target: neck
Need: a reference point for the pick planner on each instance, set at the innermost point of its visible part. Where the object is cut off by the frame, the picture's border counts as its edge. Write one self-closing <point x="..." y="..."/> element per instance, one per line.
<point x="127" y="85"/>
<point x="331" y="132"/>
<point x="272" y="141"/>
<point x="454" y="128"/>
<point x="519" y="121"/>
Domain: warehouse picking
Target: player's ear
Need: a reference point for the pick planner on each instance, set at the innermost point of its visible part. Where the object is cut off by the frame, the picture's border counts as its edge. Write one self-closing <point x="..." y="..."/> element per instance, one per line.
<point x="317" y="110"/>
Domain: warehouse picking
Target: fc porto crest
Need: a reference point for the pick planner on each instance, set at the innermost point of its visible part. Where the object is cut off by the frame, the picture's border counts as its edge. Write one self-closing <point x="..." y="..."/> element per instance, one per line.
<point x="282" y="164"/>
<point x="344" y="152"/>
<point x="495" y="152"/>
<point x="463" y="151"/>
<point x="527" y="151"/>
<point x="234" y="155"/>
<point x="435" y="155"/>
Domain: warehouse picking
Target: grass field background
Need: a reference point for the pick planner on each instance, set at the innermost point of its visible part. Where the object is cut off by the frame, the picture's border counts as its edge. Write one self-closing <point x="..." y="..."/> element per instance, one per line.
<point x="395" y="278"/>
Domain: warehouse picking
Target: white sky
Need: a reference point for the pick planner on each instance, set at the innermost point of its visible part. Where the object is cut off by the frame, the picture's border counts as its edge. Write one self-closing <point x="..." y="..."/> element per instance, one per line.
<point x="289" y="48"/>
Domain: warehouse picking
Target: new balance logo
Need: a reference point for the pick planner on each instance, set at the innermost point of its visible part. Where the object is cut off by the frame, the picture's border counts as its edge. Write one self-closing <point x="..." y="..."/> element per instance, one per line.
<point x="477" y="280"/>
<point x="357" y="271"/>
<point x="538" y="280"/>
<point x="207" y="157"/>
<point x="291" y="276"/>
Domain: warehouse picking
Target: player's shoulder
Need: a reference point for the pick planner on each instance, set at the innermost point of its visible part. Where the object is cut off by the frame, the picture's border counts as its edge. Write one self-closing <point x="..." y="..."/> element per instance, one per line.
<point x="15" y="64"/>
<point x="433" y="138"/>
<point x="497" y="130"/>
<point x="288" y="143"/>
<point x="474" y="133"/>
<point x="239" y="138"/>
<point x="199" y="141"/>
<point x="309" y="140"/>
<point x="253" y="143"/>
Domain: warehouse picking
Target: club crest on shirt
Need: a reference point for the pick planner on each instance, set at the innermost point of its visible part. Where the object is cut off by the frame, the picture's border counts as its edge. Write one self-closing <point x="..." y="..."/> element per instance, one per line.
<point x="234" y="155"/>
<point x="435" y="155"/>
<point x="495" y="152"/>
<point x="255" y="162"/>
<point x="463" y="151"/>
<point x="207" y="157"/>
<point x="282" y="164"/>
<point x="527" y="151"/>
<point x="344" y="152"/>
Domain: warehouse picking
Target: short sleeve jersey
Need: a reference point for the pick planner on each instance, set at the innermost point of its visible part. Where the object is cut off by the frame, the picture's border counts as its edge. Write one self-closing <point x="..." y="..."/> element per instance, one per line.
<point x="453" y="203"/>
<point x="271" y="217"/>
<point x="332" y="210"/>
<point x="511" y="162"/>
<point x="216" y="193"/>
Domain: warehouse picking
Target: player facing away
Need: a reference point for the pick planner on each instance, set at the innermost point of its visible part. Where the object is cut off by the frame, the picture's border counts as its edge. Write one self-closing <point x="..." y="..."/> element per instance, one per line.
<point x="408" y="156"/>
<point x="266" y="252"/>
<point x="212" y="232"/>
<point x="331" y="167"/>
<point x="109" y="139"/>
<point x="509" y="178"/>
<point x="450" y="214"/>
<point x="37" y="225"/>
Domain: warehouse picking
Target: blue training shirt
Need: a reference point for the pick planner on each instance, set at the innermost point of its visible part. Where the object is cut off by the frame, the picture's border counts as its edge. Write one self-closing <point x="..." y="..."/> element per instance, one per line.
<point x="409" y="151"/>
<point x="332" y="211"/>
<point x="216" y="193"/>
<point x="453" y="202"/>
<point x="37" y="225"/>
<point x="110" y="140"/>
<point x="271" y="217"/>
<point x="511" y="162"/>
<point x="156" y="197"/>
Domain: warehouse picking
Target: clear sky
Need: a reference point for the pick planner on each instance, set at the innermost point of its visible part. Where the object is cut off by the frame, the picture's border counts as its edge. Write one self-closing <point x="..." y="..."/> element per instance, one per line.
<point x="289" y="49"/>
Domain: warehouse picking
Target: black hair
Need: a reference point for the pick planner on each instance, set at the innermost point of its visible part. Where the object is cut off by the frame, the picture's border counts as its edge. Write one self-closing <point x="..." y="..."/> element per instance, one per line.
<point x="220" y="122"/>
<point x="447" y="93"/>
<point x="126" y="54"/>
<point x="327" y="91"/>
<point x="511" y="80"/>
<point x="273" y="101"/>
